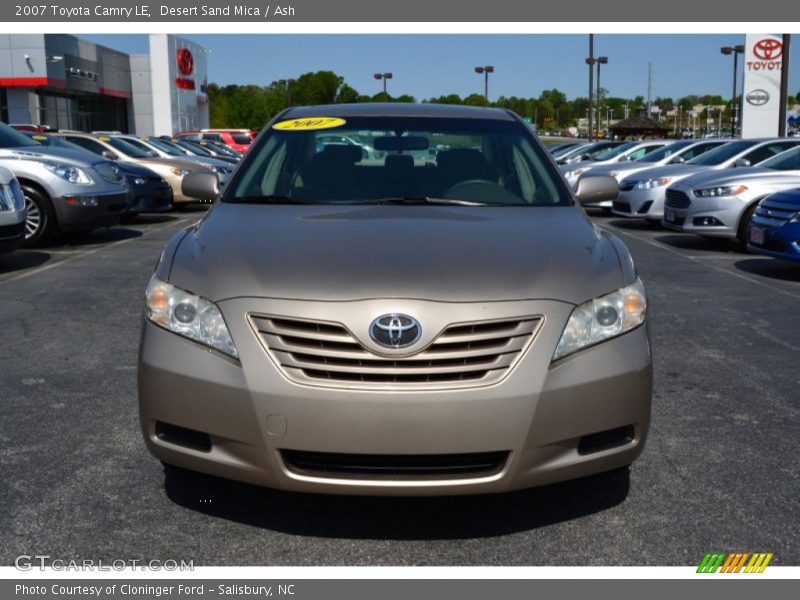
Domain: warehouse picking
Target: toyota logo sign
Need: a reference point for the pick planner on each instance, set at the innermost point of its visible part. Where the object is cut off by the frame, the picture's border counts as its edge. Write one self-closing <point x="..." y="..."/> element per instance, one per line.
<point x="395" y="330"/>
<point x="185" y="61"/>
<point x="757" y="97"/>
<point x="767" y="49"/>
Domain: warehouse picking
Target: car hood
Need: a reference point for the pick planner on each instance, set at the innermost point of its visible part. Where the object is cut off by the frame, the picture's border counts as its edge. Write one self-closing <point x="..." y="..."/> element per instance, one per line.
<point x="457" y="254"/>
<point x="674" y="171"/>
<point x="132" y="169"/>
<point x="74" y="158"/>
<point x="739" y="175"/>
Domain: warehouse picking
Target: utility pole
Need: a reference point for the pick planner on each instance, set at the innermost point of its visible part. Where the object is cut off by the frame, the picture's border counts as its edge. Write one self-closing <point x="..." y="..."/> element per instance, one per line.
<point x="784" y="84"/>
<point x="590" y="62"/>
<point x="649" y="87"/>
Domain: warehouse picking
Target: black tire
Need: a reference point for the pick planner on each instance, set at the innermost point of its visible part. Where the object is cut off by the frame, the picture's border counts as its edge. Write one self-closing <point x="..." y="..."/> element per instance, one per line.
<point x="741" y="233"/>
<point x="41" y="224"/>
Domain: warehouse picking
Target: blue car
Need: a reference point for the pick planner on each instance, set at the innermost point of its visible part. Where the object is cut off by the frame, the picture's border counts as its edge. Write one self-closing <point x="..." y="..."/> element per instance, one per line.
<point x="775" y="226"/>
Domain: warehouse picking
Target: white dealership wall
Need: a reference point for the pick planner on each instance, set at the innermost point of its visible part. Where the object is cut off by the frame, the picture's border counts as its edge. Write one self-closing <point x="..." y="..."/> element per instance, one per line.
<point x="763" y="59"/>
<point x="167" y="100"/>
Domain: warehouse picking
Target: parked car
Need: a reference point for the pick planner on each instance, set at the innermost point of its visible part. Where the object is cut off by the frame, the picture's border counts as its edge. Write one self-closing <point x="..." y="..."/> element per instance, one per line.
<point x="585" y="152"/>
<point x="238" y="139"/>
<point x="568" y="148"/>
<point x="148" y="191"/>
<point x="64" y="190"/>
<point x="12" y="212"/>
<point x="644" y="191"/>
<point x="163" y="149"/>
<point x="775" y="226"/>
<point x="353" y="326"/>
<point x="616" y="155"/>
<point x="209" y="149"/>
<point x="719" y="204"/>
<point x="173" y="171"/>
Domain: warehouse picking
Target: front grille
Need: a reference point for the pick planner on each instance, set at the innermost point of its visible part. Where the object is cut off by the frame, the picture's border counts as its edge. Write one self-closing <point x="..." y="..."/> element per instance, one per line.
<point x="462" y="355"/>
<point x="109" y="172"/>
<point x="774" y="211"/>
<point x="676" y="199"/>
<point x="394" y="467"/>
<point x="622" y="206"/>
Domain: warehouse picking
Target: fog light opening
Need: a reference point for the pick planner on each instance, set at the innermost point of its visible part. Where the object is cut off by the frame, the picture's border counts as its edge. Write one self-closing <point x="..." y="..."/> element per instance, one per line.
<point x="182" y="436"/>
<point x="605" y="440"/>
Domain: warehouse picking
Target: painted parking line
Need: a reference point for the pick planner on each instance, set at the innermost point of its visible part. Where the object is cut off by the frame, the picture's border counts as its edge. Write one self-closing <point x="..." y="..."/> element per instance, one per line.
<point x="699" y="260"/>
<point x="81" y="254"/>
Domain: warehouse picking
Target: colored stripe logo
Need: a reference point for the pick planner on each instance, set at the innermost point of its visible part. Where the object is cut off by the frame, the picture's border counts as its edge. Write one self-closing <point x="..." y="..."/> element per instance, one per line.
<point x="735" y="562"/>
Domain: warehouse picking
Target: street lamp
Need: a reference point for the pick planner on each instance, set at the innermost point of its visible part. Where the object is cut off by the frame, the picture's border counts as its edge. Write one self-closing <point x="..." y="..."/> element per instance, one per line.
<point x="485" y="70"/>
<point x="383" y="76"/>
<point x="736" y="51"/>
<point x="288" y="83"/>
<point x="591" y="61"/>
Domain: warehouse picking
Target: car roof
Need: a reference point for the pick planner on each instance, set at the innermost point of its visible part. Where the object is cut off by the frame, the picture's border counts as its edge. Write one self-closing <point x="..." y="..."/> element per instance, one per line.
<point x="398" y="109"/>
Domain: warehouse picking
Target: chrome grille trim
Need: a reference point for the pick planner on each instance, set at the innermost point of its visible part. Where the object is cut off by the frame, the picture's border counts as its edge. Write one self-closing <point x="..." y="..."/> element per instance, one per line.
<point x="327" y="354"/>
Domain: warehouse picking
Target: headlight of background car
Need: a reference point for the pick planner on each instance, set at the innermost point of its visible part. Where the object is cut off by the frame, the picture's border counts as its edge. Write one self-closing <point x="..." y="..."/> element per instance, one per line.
<point x="603" y="318"/>
<point x="573" y="173"/>
<point x="649" y="184"/>
<point x="72" y="174"/>
<point x="188" y="315"/>
<point x="179" y="172"/>
<point x="724" y="190"/>
<point x="139" y="180"/>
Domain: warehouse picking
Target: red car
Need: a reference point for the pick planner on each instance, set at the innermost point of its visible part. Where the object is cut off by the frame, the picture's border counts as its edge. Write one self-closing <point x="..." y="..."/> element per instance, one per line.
<point x="238" y="139"/>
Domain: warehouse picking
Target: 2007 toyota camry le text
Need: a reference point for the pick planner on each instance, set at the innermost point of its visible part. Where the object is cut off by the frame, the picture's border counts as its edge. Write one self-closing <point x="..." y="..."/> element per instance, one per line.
<point x="396" y="299"/>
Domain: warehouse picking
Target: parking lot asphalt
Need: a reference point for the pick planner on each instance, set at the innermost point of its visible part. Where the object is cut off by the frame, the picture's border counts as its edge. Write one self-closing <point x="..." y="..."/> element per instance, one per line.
<point x="721" y="469"/>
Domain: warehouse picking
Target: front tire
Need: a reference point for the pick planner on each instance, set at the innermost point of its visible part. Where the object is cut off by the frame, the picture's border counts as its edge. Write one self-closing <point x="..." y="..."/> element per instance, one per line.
<point x="741" y="234"/>
<point x="40" y="224"/>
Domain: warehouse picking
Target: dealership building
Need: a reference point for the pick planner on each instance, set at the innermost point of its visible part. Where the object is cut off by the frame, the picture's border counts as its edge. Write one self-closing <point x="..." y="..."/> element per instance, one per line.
<point x="65" y="82"/>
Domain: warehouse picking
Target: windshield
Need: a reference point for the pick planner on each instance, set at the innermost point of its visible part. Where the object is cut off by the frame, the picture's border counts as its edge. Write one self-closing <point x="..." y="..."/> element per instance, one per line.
<point x="786" y="161"/>
<point x="195" y="148"/>
<point x="129" y="149"/>
<point x="476" y="161"/>
<point x="719" y="155"/>
<point x="11" y="138"/>
<point x="665" y="152"/>
<point x="55" y="142"/>
<point x="614" y="151"/>
<point x="166" y="147"/>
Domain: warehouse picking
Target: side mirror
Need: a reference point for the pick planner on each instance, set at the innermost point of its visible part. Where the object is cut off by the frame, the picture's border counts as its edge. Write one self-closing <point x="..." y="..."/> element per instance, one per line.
<point x="741" y="162"/>
<point x="201" y="185"/>
<point x="109" y="155"/>
<point x="597" y="188"/>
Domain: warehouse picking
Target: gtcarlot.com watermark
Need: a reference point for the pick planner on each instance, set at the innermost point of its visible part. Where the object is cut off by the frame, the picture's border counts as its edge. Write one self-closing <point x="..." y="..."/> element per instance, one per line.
<point x="29" y="562"/>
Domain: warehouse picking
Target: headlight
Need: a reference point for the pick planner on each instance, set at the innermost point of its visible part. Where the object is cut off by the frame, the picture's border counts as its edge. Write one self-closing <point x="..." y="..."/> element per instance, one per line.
<point x="603" y="318"/>
<point x="180" y="172"/>
<point x="72" y="174"/>
<point x="723" y="190"/>
<point x="188" y="315"/>
<point x="649" y="184"/>
<point x="139" y="180"/>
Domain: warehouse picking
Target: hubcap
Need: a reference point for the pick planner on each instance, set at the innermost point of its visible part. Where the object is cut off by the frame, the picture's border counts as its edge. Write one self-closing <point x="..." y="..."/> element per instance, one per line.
<point x="34" y="220"/>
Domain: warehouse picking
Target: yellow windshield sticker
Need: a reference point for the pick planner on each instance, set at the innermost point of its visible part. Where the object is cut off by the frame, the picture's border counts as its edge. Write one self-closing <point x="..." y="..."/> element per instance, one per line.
<point x="309" y="124"/>
<point x="104" y="138"/>
<point x="40" y="138"/>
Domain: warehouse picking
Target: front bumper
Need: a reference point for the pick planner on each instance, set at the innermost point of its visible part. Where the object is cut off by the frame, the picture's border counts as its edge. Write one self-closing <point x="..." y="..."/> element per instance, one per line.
<point x="709" y="217"/>
<point x="538" y="414"/>
<point x="82" y="212"/>
<point x="12" y="230"/>
<point x="150" y="198"/>
<point x="642" y="204"/>
<point x="779" y="242"/>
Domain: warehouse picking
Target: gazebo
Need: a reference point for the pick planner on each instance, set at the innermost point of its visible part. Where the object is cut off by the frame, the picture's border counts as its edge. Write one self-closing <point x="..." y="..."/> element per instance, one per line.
<point x="640" y="127"/>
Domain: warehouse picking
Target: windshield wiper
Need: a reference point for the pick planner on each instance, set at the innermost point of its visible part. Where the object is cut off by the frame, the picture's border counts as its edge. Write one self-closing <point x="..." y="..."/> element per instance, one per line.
<point x="268" y="199"/>
<point x="420" y="200"/>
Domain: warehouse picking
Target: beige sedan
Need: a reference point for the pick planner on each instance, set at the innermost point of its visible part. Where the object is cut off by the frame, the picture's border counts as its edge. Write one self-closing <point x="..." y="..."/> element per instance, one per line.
<point x="172" y="170"/>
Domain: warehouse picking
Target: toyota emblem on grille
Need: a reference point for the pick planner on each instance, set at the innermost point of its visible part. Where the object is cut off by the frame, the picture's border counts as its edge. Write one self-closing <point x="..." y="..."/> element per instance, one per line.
<point x="395" y="330"/>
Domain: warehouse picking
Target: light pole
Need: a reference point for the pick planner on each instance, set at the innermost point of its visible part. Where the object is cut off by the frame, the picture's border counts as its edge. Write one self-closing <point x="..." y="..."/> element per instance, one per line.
<point x="288" y="83"/>
<point x="383" y="76"/>
<point x="736" y="51"/>
<point x="590" y="62"/>
<point x="485" y="71"/>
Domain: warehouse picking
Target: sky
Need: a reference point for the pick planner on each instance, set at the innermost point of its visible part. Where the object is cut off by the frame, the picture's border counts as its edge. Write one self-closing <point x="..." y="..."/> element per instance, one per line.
<point x="431" y="65"/>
